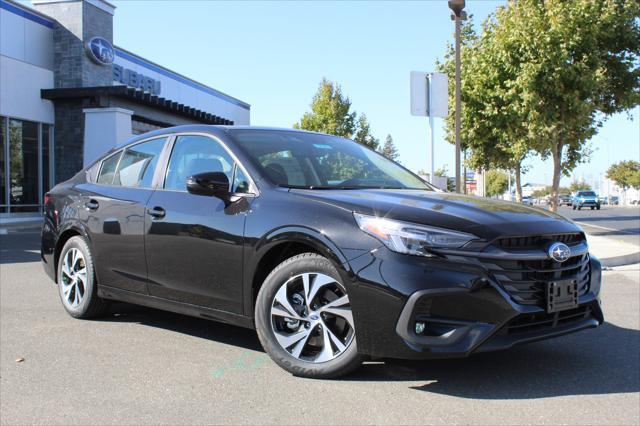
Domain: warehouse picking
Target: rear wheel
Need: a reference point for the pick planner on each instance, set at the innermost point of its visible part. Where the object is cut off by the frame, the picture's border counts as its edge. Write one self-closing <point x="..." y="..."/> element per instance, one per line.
<point x="304" y="320"/>
<point x="592" y="208"/>
<point x="76" y="280"/>
<point x="597" y="207"/>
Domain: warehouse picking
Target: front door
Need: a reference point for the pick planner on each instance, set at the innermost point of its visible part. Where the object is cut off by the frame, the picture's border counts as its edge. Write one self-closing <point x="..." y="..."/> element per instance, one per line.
<point x="194" y="243"/>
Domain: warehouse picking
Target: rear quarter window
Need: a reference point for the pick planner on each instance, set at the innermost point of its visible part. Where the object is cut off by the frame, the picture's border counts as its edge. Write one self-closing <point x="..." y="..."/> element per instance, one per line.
<point x="108" y="169"/>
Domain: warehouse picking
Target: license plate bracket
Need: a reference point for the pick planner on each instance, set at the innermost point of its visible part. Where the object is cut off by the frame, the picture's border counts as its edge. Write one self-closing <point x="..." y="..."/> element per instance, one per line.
<point x="562" y="295"/>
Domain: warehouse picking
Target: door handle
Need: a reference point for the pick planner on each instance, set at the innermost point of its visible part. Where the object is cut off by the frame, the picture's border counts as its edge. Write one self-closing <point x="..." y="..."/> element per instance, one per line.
<point x="157" y="212"/>
<point x="91" y="205"/>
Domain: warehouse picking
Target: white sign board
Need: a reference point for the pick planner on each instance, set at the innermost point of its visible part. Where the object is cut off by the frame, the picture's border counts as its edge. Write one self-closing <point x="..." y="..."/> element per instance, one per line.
<point x="421" y="90"/>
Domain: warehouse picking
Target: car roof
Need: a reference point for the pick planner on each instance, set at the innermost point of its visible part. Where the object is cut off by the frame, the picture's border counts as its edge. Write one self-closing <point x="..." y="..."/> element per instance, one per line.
<point x="205" y="128"/>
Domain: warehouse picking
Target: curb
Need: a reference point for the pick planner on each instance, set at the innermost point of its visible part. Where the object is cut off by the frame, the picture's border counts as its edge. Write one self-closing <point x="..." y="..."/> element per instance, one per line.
<point x="627" y="259"/>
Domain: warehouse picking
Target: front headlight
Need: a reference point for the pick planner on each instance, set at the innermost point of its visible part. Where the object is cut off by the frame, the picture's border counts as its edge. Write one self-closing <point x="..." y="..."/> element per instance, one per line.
<point x="410" y="238"/>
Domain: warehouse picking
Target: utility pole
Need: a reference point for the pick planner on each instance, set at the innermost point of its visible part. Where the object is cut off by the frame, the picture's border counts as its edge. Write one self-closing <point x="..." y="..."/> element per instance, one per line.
<point x="458" y="15"/>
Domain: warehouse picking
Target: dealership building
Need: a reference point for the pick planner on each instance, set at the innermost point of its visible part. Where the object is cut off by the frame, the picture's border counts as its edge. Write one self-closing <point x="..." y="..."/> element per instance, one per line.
<point x="67" y="95"/>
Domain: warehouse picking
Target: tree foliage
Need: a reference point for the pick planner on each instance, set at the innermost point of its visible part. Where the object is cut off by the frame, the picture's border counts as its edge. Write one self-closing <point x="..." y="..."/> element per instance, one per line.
<point x="579" y="186"/>
<point x="389" y="149"/>
<point x="496" y="182"/>
<point x="543" y="77"/>
<point x="330" y="112"/>
<point x="626" y="174"/>
<point x="363" y="133"/>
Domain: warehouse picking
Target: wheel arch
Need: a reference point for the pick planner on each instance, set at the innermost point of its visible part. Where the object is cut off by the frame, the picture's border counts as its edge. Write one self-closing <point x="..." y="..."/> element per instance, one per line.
<point x="65" y="235"/>
<point x="281" y="244"/>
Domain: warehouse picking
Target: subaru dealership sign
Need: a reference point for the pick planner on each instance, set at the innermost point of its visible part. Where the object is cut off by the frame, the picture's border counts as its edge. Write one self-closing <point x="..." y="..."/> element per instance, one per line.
<point x="102" y="52"/>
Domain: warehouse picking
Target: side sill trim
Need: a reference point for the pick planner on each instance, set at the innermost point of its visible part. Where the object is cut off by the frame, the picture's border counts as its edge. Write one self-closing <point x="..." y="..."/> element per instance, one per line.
<point x="112" y="293"/>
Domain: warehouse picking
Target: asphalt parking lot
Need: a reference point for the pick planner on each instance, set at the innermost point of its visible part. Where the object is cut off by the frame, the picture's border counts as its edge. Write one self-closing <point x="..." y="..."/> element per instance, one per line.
<point x="141" y="366"/>
<point x="620" y="223"/>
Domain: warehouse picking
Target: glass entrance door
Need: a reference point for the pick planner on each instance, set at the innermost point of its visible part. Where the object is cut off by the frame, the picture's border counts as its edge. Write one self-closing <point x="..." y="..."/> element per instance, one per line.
<point x="25" y="165"/>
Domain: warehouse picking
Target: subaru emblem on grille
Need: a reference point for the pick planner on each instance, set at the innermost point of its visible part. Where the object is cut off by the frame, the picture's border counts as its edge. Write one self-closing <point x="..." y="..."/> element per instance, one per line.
<point x="559" y="252"/>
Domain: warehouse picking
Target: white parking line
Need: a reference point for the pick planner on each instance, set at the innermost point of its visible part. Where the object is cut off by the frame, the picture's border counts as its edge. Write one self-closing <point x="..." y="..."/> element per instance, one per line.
<point x="605" y="228"/>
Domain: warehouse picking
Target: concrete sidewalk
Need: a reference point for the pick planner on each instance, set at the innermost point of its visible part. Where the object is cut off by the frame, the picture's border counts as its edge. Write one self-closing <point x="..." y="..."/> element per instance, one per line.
<point x="613" y="252"/>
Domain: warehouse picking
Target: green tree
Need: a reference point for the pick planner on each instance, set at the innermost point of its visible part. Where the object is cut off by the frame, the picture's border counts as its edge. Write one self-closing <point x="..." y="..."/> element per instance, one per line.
<point x="625" y="174"/>
<point x="389" y="149"/>
<point x="577" y="186"/>
<point x="363" y="133"/>
<point x="578" y="63"/>
<point x="330" y="112"/>
<point x="496" y="182"/>
<point x="492" y="123"/>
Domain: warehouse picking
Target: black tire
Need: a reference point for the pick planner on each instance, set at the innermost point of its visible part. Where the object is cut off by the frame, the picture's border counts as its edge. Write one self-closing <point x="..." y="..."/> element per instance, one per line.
<point x="574" y="207"/>
<point x="592" y="208"/>
<point x="597" y="207"/>
<point x="579" y="208"/>
<point x="91" y="305"/>
<point x="344" y="363"/>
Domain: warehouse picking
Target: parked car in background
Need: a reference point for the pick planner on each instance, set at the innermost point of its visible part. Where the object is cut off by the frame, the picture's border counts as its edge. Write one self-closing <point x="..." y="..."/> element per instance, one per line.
<point x="332" y="252"/>
<point x="527" y="200"/>
<point x="564" y="200"/>
<point x="614" y="200"/>
<point x="585" y="199"/>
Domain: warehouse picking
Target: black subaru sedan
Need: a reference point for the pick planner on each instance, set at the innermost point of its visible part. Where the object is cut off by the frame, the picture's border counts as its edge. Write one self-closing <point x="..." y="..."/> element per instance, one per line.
<point x="333" y="253"/>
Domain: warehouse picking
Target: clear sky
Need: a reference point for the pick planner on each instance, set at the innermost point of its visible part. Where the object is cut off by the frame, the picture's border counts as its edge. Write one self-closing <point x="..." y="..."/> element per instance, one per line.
<point x="273" y="55"/>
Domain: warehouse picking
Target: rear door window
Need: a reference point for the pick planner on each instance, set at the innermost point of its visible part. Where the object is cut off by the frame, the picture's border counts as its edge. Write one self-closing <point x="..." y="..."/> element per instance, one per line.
<point x="138" y="164"/>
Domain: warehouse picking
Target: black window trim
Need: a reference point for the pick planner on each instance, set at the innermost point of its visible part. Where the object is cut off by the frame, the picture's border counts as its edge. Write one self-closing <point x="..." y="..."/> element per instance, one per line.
<point x="253" y="188"/>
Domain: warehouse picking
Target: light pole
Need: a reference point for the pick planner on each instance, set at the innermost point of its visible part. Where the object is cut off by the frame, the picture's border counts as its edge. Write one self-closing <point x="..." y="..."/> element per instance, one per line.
<point x="458" y="15"/>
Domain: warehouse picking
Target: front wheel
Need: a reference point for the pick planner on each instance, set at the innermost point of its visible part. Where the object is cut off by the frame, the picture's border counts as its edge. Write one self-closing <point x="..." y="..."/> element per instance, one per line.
<point x="304" y="320"/>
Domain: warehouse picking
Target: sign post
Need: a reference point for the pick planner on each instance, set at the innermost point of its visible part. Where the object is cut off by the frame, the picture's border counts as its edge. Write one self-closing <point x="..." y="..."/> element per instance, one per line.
<point x="429" y="97"/>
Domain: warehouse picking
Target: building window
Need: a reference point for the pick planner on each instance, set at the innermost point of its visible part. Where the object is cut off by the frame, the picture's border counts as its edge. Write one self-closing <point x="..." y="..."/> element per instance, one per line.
<point x="3" y="167"/>
<point x="25" y="164"/>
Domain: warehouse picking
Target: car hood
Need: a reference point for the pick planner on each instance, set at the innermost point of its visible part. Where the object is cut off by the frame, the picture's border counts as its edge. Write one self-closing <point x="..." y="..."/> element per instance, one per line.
<point x="483" y="217"/>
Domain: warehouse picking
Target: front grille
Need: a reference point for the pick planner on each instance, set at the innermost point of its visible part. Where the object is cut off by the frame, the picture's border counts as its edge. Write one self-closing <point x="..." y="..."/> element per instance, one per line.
<point x="526" y="281"/>
<point x="537" y="241"/>
<point x="542" y="320"/>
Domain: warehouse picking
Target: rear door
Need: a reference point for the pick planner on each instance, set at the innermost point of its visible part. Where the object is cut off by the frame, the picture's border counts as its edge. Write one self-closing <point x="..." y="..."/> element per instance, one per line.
<point x="114" y="212"/>
<point x="194" y="243"/>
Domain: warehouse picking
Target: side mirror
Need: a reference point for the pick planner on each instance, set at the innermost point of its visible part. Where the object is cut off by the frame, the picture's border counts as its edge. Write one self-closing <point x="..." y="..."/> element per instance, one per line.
<point x="208" y="183"/>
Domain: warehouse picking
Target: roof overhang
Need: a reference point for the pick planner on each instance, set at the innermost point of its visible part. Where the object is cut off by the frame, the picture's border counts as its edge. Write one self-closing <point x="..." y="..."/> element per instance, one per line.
<point x="98" y="96"/>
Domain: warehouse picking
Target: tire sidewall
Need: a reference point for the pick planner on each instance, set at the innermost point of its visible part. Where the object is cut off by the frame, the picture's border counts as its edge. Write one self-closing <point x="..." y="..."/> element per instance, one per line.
<point x="81" y="310"/>
<point x="308" y="262"/>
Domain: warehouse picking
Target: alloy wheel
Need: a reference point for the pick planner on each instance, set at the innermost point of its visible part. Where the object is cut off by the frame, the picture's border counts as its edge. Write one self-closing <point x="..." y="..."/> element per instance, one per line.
<point x="311" y="318"/>
<point x="73" y="279"/>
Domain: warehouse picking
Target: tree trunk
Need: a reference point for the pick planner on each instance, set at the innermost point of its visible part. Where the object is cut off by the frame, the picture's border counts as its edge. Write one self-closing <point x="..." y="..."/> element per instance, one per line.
<point x="518" y="184"/>
<point x="557" y="172"/>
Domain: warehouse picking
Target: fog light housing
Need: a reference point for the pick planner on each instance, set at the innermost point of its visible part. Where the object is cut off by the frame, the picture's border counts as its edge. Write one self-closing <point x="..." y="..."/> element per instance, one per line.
<point x="420" y="326"/>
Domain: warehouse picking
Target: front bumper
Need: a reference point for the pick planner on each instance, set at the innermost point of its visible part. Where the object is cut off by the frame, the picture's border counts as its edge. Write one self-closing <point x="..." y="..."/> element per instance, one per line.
<point x="588" y="203"/>
<point x="463" y="308"/>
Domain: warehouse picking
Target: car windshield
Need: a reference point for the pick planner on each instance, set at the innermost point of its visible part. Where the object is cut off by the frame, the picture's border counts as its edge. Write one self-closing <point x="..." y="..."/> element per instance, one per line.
<point x="314" y="161"/>
<point x="587" y="194"/>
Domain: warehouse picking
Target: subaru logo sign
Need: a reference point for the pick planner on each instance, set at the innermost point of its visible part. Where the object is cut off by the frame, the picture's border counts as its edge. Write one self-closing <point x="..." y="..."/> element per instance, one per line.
<point x="100" y="51"/>
<point x="559" y="252"/>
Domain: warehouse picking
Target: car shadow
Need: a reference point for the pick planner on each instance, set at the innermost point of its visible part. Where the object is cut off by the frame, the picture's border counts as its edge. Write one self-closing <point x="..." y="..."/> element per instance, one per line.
<point x="600" y="361"/>
<point x="183" y="324"/>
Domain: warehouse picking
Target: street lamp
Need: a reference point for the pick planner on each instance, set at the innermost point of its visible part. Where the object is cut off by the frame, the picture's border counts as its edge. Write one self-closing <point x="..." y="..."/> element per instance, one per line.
<point x="458" y="15"/>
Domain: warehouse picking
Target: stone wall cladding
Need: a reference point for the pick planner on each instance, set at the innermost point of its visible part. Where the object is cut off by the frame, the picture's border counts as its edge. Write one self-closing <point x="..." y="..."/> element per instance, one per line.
<point x="69" y="139"/>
